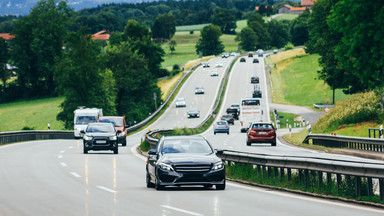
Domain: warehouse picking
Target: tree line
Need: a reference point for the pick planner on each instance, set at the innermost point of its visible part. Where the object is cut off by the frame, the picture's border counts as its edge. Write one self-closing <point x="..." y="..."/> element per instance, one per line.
<point x="52" y="59"/>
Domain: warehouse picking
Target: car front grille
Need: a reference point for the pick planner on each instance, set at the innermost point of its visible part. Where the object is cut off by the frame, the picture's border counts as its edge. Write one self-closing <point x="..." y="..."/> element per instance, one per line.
<point x="100" y="142"/>
<point x="193" y="168"/>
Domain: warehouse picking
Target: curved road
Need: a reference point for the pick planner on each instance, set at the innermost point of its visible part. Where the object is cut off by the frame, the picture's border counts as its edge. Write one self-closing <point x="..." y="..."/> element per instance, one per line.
<point x="54" y="177"/>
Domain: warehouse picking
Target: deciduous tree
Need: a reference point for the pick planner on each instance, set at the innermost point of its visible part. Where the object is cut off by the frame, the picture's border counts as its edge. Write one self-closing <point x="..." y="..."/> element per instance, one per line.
<point x="209" y="42"/>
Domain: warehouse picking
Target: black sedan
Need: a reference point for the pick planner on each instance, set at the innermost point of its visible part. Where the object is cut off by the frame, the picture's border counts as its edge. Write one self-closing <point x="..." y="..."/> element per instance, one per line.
<point x="243" y="60"/>
<point x="184" y="160"/>
<point x="257" y="94"/>
<point x="229" y="118"/>
<point x="100" y="136"/>
<point x="193" y="113"/>
<point x="255" y="60"/>
<point x="254" y="79"/>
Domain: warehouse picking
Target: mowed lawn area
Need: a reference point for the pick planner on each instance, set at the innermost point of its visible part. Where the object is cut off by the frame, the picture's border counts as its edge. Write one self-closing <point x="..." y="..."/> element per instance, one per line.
<point x="295" y="79"/>
<point x="34" y="114"/>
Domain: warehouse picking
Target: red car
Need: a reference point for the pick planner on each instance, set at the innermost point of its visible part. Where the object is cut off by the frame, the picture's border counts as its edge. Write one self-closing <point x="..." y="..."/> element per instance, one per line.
<point x="261" y="132"/>
<point x="120" y="124"/>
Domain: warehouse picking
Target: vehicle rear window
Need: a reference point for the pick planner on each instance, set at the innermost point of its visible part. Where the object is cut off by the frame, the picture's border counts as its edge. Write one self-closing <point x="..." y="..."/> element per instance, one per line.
<point x="262" y="126"/>
<point x="251" y="102"/>
<point x="227" y="116"/>
<point x="221" y="123"/>
<point x="186" y="146"/>
<point x="115" y="121"/>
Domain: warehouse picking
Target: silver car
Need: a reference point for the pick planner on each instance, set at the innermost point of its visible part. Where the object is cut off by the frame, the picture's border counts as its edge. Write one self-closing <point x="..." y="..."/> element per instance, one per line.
<point x="180" y="102"/>
<point x="199" y="90"/>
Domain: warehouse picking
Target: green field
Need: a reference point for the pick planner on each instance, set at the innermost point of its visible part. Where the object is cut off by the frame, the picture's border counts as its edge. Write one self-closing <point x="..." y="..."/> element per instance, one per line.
<point x="185" y="47"/>
<point x="34" y="114"/>
<point x="188" y="28"/>
<point x="286" y="17"/>
<point x="295" y="80"/>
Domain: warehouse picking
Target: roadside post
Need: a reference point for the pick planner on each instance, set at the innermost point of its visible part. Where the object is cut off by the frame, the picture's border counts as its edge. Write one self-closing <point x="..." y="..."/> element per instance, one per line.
<point x="287" y="122"/>
<point x="290" y="130"/>
<point x="49" y="126"/>
<point x="381" y="132"/>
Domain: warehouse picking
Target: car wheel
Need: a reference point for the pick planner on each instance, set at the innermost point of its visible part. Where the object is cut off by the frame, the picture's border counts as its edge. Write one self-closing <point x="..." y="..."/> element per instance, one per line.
<point x="85" y="150"/>
<point x="220" y="186"/>
<point x="116" y="150"/>
<point x="248" y="143"/>
<point x="228" y="133"/>
<point x="214" y="133"/>
<point x="148" y="181"/>
<point x="273" y="143"/>
<point x="125" y="142"/>
<point x="158" y="186"/>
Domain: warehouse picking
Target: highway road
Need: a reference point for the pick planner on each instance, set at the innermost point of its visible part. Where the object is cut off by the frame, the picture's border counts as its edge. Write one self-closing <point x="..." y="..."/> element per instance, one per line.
<point x="53" y="177"/>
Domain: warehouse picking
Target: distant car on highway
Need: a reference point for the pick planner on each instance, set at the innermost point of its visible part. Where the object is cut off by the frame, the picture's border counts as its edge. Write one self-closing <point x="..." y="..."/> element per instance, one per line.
<point x="184" y="160"/>
<point x="214" y="73"/>
<point x="250" y="54"/>
<point x="100" y="136"/>
<point x="180" y="102"/>
<point x="261" y="132"/>
<point x="233" y="54"/>
<point x="193" y="113"/>
<point x="206" y="65"/>
<point x="242" y="60"/>
<point x="221" y="126"/>
<point x="225" y="55"/>
<point x="199" y="90"/>
<point x="256" y="93"/>
<point x="229" y="118"/>
<point x="256" y="60"/>
<point x="219" y="65"/>
<point x="254" y="79"/>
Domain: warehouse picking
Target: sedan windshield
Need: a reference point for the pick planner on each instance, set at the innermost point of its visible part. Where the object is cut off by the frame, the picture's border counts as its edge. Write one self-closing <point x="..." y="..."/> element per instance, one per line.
<point x="100" y="128"/>
<point x="186" y="146"/>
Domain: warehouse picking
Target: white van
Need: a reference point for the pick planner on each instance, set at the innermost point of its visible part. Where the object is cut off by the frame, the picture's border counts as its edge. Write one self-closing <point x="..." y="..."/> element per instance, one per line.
<point x="83" y="117"/>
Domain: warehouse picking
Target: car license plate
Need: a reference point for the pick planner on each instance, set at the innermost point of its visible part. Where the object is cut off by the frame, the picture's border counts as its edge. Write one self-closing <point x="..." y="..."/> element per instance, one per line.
<point x="262" y="132"/>
<point x="101" y="141"/>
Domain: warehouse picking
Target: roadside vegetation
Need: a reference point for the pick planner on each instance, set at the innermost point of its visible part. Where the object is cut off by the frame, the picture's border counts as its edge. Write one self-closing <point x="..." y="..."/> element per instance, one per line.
<point x="295" y="80"/>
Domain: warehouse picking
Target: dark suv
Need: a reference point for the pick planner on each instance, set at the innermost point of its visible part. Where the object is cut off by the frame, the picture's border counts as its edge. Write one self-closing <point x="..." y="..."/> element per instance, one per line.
<point x="261" y="132"/>
<point x="100" y="136"/>
<point x="254" y="79"/>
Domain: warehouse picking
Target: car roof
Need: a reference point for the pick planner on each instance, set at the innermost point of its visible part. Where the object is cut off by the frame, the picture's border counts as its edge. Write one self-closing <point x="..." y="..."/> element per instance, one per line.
<point x="262" y="123"/>
<point x="184" y="137"/>
<point x="101" y="123"/>
<point x="108" y="117"/>
<point x="221" y="121"/>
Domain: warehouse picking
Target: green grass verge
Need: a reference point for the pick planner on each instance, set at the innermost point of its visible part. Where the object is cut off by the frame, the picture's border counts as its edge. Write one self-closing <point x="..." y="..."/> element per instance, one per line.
<point x="286" y="17"/>
<point x="250" y="173"/>
<point x="188" y="28"/>
<point x="283" y="121"/>
<point x="295" y="80"/>
<point x="34" y="114"/>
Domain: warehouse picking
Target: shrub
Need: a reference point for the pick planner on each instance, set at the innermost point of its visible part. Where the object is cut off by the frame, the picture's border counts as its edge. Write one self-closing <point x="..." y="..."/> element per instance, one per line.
<point x="190" y="32"/>
<point x="360" y="108"/>
<point x="28" y="128"/>
<point x="289" y="46"/>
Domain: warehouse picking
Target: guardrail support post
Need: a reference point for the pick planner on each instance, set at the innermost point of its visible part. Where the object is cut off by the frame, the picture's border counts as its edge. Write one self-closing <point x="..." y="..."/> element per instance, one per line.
<point x="370" y="186"/>
<point x="269" y="171"/>
<point x="264" y="171"/>
<point x="289" y="171"/>
<point x="358" y="186"/>
<point x="320" y="178"/>
<point x="300" y="175"/>
<point x="281" y="174"/>
<point x="306" y="178"/>
<point x="276" y="171"/>
<point x="381" y="188"/>
<point x="338" y="179"/>
<point x="258" y="169"/>
<point x="329" y="180"/>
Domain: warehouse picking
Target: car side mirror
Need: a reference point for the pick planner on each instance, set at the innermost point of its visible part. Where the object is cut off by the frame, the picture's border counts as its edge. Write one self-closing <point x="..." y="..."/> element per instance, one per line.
<point x="82" y="132"/>
<point x="152" y="152"/>
<point x="219" y="151"/>
<point x="118" y="131"/>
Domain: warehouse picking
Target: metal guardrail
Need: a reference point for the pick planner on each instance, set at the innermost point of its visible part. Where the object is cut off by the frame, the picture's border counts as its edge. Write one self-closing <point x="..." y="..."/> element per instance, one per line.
<point x="322" y="105"/>
<point x="21" y="136"/>
<point x="332" y="141"/>
<point x="307" y="167"/>
<point x="149" y="118"/>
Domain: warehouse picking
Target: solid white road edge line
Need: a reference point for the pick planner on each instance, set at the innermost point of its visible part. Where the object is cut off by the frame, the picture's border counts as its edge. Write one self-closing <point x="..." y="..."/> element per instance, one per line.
<point x="180" y="210"/>
<point x="306" y="198"/>
<point x="134" y="152"/>
<point x="106" y="189"/>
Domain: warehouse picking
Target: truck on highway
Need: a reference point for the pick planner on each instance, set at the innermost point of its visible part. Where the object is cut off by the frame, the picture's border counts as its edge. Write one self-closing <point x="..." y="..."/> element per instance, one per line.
<point x="250" y="112"/>
<point x="84" y="116"/>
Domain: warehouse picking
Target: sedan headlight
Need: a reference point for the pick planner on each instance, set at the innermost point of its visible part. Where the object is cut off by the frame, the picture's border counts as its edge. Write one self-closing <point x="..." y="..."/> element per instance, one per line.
<point x="165" y="166"/>
<point x="85" y="137"/>
<point x="113" y="138"/>
<point x="218" y="166"/>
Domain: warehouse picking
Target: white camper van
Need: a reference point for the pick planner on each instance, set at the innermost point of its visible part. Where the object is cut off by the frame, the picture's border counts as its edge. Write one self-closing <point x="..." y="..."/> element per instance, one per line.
<point x="83" y="117"/>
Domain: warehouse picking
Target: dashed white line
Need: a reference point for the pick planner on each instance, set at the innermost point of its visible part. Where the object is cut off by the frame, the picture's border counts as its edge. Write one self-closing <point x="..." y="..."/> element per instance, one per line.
<point x="62" y="151"/>
<point x="70" y="147"/>
<point x="106" y="189"/>
<point x="75" y="174"/>
<point x="63" y="164"/>
<point x="180" y="210"/>
<point x="60" y="156"/>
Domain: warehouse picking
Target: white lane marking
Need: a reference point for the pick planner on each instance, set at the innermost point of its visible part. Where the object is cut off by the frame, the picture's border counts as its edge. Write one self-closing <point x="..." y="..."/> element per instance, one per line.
<point x="70" y="147"/>
<point x="61" y="152"/>
<point x="305" y="198"/>
<point x="60" y="156"/>
<point x="63" y="164"/>
<point x="180" y="210"/>
<point x="134" y="152"/>
<point x="75" y="174"/>
<point x="106" y="189"/>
